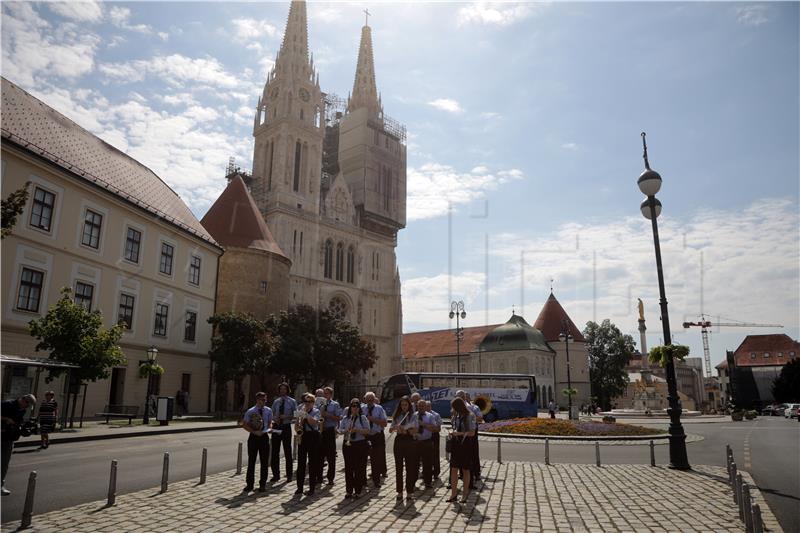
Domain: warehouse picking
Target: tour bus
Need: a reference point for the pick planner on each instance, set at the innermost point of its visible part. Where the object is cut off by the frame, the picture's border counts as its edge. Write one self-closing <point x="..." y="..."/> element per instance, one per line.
<point x="499" y="396"/>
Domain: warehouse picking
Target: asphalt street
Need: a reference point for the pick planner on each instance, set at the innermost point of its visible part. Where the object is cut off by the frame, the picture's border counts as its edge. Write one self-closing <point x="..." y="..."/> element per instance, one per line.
<point x="74" y="473"/>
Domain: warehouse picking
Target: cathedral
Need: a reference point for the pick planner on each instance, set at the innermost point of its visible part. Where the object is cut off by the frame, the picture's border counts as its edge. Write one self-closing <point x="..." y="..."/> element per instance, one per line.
<point x="329" y="179"/>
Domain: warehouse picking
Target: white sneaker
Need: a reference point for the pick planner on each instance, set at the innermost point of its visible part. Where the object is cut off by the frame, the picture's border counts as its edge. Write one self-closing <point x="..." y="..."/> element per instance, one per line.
<point x="5" y="491"/>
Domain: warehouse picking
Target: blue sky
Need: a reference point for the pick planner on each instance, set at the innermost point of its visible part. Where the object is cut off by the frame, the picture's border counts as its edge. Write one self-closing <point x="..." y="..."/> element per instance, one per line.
<point x="523" y="120"/>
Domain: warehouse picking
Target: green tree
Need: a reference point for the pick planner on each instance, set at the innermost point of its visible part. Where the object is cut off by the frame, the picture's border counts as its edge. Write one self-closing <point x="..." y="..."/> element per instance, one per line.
<point x="73" y="334"/>
<point x="315" y="348"/>
<point x="609" y="353"/>
<point x="241" y="346"/>
<point x="11" y="208"/>
<point x="786" y="387"/>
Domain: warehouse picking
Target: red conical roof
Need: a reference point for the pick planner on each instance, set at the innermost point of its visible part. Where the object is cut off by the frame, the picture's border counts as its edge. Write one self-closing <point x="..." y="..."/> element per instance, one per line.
<point x="550" y="321"/>
<point x="234" y="220"/>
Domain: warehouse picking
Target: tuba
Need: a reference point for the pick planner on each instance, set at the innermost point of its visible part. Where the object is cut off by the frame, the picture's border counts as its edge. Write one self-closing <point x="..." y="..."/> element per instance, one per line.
<point x="484" y="403"/>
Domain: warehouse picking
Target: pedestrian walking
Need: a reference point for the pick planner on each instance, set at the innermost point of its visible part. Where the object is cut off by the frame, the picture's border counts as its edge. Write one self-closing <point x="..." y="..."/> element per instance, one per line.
<point x="12" y="414"/>
<point x="551" y="408"/>
<point x="464" y="426"/>
<point x="405" y="425"/>
<point x="48" y="414"/>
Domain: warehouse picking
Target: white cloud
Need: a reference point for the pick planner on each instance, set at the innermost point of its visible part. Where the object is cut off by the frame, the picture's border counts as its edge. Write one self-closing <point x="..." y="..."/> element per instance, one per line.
<point x="175" y="69"/>
<point x="569" y="146"/>
<point x="755" y="15"/>
<point x="120" y="17"/>
<point x="32" y="48"/>
<point x="446" y="104"/>
<point x="490" y="115"/>
<point x="83" y="11"/>
<point x="434" y="188"/>
<point x="495" y="13"/>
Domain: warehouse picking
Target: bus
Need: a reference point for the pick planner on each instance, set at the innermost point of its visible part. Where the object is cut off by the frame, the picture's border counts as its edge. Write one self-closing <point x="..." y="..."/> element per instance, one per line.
<point x="499" y="396"/>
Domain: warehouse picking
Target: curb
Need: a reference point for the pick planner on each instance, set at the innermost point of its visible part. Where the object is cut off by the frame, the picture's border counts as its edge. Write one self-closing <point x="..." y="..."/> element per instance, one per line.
<point x="84" y="438"/>
<point x="600" y="438"/>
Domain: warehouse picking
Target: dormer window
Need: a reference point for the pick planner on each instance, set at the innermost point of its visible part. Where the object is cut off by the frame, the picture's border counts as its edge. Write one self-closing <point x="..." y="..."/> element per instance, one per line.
<point x="766" y="355"/>
<point x="752" y="355"/>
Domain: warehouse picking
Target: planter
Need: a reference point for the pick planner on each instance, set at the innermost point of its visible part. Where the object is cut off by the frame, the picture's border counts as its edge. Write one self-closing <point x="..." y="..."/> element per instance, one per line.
<point x="737" y="416"/>
<point x="750" y="415"/>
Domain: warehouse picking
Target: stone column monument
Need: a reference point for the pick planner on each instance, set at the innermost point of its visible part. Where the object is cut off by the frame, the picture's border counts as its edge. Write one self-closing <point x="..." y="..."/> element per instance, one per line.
<point x="642" y="338"/>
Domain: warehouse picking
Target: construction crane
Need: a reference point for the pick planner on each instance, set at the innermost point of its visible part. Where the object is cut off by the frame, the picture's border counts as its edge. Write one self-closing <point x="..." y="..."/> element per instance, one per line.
<point x="704" y="325"/>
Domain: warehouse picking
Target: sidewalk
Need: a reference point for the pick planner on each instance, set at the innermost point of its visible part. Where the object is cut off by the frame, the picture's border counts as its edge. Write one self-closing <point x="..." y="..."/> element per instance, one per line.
<point x="95" y="430"/>
<point x="517" y="496"/>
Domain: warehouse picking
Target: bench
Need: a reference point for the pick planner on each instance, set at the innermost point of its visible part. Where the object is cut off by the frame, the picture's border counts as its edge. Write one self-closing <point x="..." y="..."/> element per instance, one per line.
<point x="120" y="411"/>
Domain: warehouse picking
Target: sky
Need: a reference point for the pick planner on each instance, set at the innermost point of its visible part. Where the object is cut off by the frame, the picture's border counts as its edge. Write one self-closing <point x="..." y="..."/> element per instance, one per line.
<point x="524" y="144"/>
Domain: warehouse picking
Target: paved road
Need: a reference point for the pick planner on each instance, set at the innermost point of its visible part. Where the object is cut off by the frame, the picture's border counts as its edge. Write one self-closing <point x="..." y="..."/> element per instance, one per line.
<point x="75" y="473"/>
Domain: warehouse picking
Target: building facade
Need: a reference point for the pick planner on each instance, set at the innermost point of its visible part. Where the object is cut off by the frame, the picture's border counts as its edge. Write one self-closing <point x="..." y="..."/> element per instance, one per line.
<point x="104" y="225"/>
<point x="515" y="347"/>
<point x="329" y="177"/>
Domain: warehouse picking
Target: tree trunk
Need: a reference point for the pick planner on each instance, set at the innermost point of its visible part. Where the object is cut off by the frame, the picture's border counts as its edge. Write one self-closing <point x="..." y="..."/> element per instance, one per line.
<point x="74" y="404"/>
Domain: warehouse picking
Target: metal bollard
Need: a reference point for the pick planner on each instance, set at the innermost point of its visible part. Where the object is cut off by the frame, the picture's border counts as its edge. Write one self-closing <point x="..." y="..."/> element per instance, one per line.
<point x="547" y="452"/>
<point x="748" y="517"/>
<point x="597" y="452"/>
<point x="758" y="522"/>
<point x="165" y="474"/>
<point x="728" y="455"/>
<point x="204" y="466"/>
<point x="239" y="460"/>
<point x="733" y="480"/>
<point x="112" y="484"/>
<point x="27" y="510"/>
<point x="652" y="454"/>
<point x="740" y="496"/>
<point x="499" y="453"/>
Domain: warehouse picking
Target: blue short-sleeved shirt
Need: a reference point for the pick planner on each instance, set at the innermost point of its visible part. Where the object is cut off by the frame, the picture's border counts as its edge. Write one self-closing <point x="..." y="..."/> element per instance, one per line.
<point x="376" y="411"/>
<point x="360" y="422"/>
<point x="285" y="406"/>
<point x="313" y="413"/>
<point x="266" y="414"/>
<point x="333" y="408"/>
<point x="425" y="418"/>
<point x="408" y="422"/>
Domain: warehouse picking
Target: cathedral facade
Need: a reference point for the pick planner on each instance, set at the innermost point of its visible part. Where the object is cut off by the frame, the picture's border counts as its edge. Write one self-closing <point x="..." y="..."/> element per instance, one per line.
<point x="329" y="178"/>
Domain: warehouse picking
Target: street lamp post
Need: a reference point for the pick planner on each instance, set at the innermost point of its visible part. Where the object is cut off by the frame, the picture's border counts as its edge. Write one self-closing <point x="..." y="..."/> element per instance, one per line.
<point x="565" y="337"/>
<point x="152" y="353"/>
<point x="650" y="183"/>
<point x="457" y="312"/>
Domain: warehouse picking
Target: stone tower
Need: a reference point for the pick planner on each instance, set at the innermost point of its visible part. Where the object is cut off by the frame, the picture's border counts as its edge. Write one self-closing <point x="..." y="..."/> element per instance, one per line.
<point x="330" y="181"/>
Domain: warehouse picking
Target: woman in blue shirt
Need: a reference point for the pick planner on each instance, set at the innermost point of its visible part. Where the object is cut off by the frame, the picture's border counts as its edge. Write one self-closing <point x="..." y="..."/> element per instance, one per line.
<point x="355" y="428"/>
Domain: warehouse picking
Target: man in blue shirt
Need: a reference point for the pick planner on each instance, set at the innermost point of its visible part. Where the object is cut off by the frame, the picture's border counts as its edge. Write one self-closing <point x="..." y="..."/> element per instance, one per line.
<point x="435" y="439"/>
<point x="331" y="414"/>
<point x="257" y="421"/>
<point x="377" y="439"/>
<point x="283" y="409"/>
<point x="308" y="448"/>
<point x="427" y="427"/>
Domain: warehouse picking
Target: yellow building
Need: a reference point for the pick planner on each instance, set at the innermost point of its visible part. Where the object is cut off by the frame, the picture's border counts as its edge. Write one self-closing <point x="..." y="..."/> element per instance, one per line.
<point x="105" y="225"/>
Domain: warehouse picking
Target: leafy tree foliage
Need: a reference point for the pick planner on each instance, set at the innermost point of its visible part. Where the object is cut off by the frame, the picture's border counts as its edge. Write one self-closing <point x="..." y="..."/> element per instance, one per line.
<point x="316" y="348"/>
<point x="73" y="334"/>
<point x="11" y="208"/>
<point x="786" y="387"/>
<point x="659" y="355"/>
<point x="609" y="353"/>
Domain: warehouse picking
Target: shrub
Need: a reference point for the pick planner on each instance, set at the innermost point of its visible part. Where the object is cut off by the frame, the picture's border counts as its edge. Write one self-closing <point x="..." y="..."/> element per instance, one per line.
<point x="608" y="419"/>
<point x="737" y="416"/>
<point x="557" y="427"/>
<point x="750" y="415"/>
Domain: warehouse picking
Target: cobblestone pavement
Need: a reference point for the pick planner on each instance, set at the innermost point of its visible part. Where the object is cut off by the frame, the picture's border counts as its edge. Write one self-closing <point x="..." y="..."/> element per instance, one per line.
<point x="517" y="496"/>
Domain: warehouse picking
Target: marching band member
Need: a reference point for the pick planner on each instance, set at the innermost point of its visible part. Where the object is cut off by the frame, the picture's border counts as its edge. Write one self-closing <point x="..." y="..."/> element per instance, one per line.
<point x="427" y="426"/>
<point x="257" y="421"/>
<point x="283" y="409"/>
<point x="464" y="426"/>
<point x="414" y="398"/>
<point x="307" y="427"/>
<point x="436" y="439"/>
<point x="355" y="428"/>
<point x="377" y="439"/>
<point x="476" y="457"/>
<point x="330" y="411"/>
<point x="404" y="423"/>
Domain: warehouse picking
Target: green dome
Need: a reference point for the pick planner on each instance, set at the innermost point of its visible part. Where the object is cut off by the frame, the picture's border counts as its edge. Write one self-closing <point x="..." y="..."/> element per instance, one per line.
<point x="516" y="334"/>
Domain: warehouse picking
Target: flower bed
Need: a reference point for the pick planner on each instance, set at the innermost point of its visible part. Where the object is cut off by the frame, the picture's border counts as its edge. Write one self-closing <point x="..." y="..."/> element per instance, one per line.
<point x="556" y="427"/>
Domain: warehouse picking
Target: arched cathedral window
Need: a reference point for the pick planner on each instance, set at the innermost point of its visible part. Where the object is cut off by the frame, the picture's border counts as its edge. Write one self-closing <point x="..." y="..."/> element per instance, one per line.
<point x="351" y="260"/>
<point x="328" y="259"/>
<point x="338" y="308"/>
<point x="339" y="262"/>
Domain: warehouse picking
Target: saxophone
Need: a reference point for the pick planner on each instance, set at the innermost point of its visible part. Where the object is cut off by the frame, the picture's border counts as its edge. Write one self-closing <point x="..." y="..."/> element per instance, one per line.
<point x="300" y="415"/>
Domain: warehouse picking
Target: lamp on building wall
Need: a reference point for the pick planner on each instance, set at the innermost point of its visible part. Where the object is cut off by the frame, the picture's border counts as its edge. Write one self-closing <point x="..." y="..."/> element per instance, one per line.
<point x="566" y="337"/>
<point x="152" y="353"/>
<point x="650" y="183"/>
<point x="457" y="312"/>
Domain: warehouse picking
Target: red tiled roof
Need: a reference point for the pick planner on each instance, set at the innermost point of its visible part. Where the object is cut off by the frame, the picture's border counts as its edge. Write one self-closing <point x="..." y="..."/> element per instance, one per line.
<point x="773" y="344"/>
<point x="442" y="342"/>
<point x="234" y="220"/>
<point x="723" y="364"/>
<point x="33" y="125"/>
<point x="550" y="321"/>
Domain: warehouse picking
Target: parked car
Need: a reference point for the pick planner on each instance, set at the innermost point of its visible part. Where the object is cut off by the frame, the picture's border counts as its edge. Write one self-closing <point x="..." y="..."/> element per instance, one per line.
<point x="791" y="410"/>
<point x="774" y="409"/>
<point x="768" y="410"/>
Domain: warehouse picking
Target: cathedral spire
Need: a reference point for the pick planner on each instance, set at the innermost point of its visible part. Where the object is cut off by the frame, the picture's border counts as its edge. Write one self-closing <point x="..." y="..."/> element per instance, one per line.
<point x="365" y="92"/>
<point x="293" y="56"/>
